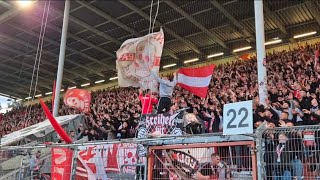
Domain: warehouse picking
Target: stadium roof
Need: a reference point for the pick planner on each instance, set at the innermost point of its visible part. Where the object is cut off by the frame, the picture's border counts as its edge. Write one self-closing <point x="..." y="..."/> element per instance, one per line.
<point x="97" y="29"/>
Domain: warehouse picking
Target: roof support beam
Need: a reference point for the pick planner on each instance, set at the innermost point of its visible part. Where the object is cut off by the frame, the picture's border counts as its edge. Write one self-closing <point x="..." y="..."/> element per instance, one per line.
<point x="3" y="78"/>
<point x="52" y="54"/>
<point x="277" y="21"/>
<point x="196" y="23"/>
<point x="83" y="41"/>
<point x="311" y="7"/>
<point x="11" y="92"/>
<point x="13" y="12"/>
<point x="246" y="34"/>
<point x="144" y="15"/>
<point x="8" y="15"/>
<point x="117" y="22"/>
<point x="16" y="69"/>
<point x="30" y="66"/>
<point x="87" y="26"/>
<point x="57" y="44"/>
<point x="43" y="62"/>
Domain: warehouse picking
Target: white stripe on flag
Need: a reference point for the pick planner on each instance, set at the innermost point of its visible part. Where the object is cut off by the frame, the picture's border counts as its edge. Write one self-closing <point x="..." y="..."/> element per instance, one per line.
<point x="81" y="174"/>
<point x="194" y="81"/>
<point x="81" y="169"/>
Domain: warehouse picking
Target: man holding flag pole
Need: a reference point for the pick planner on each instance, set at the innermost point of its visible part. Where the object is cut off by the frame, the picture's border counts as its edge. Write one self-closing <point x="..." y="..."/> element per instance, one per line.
<point x="165" y="91"/>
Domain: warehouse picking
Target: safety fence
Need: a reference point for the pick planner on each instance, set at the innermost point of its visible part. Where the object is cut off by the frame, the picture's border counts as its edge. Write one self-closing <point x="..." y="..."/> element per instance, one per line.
<point x="202" y="161"/>
<point x="289" y="153"/>
<point x="278" y="153"/>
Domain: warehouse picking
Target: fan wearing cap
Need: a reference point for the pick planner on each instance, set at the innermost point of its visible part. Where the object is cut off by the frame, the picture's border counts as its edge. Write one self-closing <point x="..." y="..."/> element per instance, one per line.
<point x="147" y="101"/>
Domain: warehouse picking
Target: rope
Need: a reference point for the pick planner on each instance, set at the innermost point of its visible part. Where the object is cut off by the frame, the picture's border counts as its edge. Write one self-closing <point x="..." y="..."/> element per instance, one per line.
<point x="155" y="17"/>
<point x="150" y="16"/>
<point x="36" y="66"/>
<point x="44" y="31"/>
<point x="35" y="61"/>
<point x="149" y="54"/>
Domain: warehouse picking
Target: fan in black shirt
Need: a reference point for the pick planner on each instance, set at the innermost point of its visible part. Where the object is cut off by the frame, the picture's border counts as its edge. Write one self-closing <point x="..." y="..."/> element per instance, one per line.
<point x="216" y="169"/>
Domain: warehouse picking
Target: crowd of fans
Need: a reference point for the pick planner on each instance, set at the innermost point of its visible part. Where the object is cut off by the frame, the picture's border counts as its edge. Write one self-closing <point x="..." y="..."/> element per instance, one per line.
<point x="293" y="86"/>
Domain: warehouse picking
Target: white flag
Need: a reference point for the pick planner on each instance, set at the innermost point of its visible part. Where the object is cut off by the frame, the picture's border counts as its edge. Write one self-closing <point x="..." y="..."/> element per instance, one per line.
<point x="134" y="59"/>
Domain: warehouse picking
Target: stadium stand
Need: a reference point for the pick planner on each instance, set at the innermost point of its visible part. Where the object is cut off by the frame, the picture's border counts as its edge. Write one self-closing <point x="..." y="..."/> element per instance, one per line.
<point x="286" y="139"/>
<point x="293" y="87"/>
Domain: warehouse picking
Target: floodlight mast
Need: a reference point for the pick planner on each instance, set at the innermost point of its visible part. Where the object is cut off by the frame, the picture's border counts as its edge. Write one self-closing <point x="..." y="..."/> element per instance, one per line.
<point x="61" y="57"/>
<point x="261" y="51"/>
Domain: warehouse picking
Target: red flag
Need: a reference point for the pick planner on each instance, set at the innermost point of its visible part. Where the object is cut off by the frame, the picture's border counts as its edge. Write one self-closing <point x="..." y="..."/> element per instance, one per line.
<point x="244" y="57"/>
<point x="78" y="98"/>
<point x="55" y="124"/>
<point x="196" y="80"/>
<point x="53" y="94"/>
<point x="61" y="163"/>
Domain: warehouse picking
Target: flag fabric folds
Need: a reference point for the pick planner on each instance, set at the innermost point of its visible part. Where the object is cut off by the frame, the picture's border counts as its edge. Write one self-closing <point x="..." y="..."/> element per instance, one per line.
<point x="79" y="99"/>
<point x="196" y="80"/>
<point x="136" y="57"/>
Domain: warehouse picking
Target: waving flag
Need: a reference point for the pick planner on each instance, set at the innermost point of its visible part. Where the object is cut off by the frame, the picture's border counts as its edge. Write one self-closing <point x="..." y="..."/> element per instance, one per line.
<point x="61" y="163"/>
<point x="62" y="133"/>
<point x="134" y="59"/>
<point x="90" y="163"/>
<point x="196" y="80"/>
<point x="78" y="98"/>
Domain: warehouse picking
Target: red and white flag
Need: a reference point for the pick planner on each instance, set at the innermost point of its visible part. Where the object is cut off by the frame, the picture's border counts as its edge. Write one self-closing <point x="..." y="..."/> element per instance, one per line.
<point x="78" y="98"/>
<point x="90" y="165"/>
<point x="196" y="80"/>
<point x="136" y="57"/>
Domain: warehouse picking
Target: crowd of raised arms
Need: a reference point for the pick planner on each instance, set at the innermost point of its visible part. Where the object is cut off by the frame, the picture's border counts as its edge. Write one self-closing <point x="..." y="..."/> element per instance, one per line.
<point x="293" y="86"/>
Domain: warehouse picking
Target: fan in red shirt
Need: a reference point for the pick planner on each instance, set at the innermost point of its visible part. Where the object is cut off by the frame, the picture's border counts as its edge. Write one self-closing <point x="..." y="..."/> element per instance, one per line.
<point x="147" y="100"/>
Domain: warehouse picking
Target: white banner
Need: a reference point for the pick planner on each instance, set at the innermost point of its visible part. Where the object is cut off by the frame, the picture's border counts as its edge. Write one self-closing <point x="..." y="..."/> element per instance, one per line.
<point x="134" y="59"/>
<point x="103" y="162"/>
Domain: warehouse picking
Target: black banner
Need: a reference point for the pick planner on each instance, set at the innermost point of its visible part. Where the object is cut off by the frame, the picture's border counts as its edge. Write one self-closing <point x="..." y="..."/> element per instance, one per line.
<point x="160" y="124"/>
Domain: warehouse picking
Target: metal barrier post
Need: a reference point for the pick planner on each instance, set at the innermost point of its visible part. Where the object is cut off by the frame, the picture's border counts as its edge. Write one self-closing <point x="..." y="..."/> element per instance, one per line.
<point x="74" y="162"/>
<point x="259" y="152"/>
<point x="145" y="168"/>
<point x="150" y="157"/>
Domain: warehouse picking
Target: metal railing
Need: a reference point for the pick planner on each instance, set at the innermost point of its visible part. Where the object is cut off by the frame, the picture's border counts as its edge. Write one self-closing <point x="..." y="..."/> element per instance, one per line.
<point x="271" y="153"/>
<point x="289" y="153"/>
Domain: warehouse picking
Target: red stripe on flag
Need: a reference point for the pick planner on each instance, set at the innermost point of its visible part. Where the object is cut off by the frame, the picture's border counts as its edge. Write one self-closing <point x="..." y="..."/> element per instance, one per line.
<point x="198" y="91"/>
<point x="198" y="72"/>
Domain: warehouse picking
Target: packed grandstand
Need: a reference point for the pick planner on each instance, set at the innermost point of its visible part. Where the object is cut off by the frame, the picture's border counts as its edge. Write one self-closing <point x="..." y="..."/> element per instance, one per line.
<point x="158" y="124"/>
<point x="293" y="86"/>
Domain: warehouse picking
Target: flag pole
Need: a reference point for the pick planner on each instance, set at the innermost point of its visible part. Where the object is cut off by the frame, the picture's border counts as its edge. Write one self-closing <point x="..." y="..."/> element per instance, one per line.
<point x="61" y="57"/>
<point x="261" y="51"/>
<point x="53" y="94"/>
<point x="262" y="72"/>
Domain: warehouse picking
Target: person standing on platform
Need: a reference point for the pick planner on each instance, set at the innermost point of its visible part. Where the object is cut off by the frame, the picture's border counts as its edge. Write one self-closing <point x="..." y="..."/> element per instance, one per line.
<point x="165" y="91"/>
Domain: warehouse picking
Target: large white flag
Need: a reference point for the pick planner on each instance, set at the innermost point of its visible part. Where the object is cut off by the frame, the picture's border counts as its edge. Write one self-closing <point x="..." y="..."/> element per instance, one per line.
<point x="90" y="165"/>
<point x="134" y="59"/>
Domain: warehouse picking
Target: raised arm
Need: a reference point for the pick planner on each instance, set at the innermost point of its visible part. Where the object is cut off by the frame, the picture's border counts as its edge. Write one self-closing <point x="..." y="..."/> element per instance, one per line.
<point x="175" y="78"/>
<point x="156" y="76"/>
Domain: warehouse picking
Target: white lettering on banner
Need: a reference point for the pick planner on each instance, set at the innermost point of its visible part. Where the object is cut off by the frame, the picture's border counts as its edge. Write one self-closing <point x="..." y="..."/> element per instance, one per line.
<point x="159" y="120"/>
<point x="185" y="159"/>
<point x="238" y="118"/>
